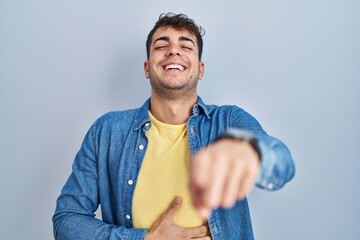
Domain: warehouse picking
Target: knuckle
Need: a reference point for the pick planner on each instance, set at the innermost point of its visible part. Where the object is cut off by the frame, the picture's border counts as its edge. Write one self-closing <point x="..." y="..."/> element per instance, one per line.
<point x="228" y="203"/>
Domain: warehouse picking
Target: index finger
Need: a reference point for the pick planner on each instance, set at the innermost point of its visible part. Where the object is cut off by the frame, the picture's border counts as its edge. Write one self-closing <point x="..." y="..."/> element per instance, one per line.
<point x="196" y="231"/>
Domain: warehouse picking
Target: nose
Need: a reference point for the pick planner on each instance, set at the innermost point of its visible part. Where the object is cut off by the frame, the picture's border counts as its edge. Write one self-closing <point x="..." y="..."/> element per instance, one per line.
<point x="173" y="50"/>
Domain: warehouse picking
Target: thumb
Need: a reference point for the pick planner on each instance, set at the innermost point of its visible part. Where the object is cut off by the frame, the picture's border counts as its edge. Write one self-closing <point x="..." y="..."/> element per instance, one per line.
<point x="173" y="208"/>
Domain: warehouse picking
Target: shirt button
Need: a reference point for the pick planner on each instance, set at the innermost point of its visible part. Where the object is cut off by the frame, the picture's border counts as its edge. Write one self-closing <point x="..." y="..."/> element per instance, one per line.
<point x="130" y="182"/>
<point x="147" y="124"/>
<point x="191" y="130"/>
<point x="271" y="186"/>
<point x="128" y="217"/>
<point x="141" y="147"/>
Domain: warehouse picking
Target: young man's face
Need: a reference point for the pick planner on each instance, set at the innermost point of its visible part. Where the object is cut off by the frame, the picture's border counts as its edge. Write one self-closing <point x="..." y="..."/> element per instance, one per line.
<point x="173" y="63"/>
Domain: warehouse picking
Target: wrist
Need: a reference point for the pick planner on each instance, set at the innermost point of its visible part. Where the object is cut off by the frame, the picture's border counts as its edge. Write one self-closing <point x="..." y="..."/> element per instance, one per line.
<point x="242" y="135"/>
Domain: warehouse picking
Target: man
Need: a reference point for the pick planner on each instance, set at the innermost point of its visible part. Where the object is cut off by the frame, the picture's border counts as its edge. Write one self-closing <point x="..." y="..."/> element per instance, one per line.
<point x="174" y="168"/>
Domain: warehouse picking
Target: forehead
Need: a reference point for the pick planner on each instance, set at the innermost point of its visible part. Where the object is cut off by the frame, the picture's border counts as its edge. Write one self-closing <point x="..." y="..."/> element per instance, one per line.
<point x="173" y="34"/>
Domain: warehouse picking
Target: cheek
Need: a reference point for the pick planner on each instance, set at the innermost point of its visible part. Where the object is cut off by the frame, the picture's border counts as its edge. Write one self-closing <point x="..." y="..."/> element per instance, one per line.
<point x="154" y="68"/>
<point x="154" y="63"/>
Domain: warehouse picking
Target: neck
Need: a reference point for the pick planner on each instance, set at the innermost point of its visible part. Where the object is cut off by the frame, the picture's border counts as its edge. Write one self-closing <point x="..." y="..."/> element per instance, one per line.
<point x="172" y="111"/>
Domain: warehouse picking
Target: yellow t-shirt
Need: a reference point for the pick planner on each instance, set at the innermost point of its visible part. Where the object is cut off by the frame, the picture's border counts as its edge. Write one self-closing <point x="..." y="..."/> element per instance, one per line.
<point x="164" y="174"/>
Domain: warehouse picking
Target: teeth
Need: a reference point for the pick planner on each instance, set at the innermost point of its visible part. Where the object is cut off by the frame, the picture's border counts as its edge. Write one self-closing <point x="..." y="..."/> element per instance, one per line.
<point x="174" y="66"/>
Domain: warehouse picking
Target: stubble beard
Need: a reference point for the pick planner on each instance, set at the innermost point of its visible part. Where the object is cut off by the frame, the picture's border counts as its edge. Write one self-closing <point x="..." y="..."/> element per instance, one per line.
<point x="174" y="93"/>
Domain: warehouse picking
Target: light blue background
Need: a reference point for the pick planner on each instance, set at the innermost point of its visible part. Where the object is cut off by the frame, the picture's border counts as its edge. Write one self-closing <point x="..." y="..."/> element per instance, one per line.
<point x="295" y="65"/>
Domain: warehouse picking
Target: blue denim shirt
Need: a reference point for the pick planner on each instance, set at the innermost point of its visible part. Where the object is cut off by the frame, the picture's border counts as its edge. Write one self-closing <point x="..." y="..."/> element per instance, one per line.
<point x="106" y="168"/>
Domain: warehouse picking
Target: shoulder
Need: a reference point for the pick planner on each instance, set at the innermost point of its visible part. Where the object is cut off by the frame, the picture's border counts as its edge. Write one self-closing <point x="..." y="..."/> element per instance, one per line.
<point x="232" y="116"/>
<point x="228" y="110"/>
<point x="115" y="116"/>
<point x="214" y="108"/>
<point x="115" y="119"/>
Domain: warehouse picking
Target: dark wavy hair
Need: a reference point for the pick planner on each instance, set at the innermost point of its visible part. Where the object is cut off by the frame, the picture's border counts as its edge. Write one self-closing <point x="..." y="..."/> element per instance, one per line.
<point x="179" y="22"/>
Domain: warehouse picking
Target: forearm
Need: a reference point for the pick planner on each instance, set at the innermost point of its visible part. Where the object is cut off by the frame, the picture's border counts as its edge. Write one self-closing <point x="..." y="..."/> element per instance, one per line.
<point x="75" y="226"/>
<point x="74" y="217"/>
<point x="277" y="165"/>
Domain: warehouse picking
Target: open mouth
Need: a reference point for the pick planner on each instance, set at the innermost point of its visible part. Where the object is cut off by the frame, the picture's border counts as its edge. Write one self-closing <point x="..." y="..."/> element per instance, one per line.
<point x="177" y="67"/>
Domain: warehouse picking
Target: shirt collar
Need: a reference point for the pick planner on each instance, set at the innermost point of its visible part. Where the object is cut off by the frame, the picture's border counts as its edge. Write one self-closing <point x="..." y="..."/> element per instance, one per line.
<point x="142" y="116"/>
<point x="201" y="108"/>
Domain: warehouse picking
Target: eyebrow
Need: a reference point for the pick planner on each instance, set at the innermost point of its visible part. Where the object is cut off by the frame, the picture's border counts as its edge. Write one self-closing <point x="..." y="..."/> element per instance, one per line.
<point x="186" y="39"/>
<point x="167" y="39"/>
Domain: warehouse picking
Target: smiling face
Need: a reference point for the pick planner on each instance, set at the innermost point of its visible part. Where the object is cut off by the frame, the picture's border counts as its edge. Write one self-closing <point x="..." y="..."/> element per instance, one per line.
<point x="173" y="67"/>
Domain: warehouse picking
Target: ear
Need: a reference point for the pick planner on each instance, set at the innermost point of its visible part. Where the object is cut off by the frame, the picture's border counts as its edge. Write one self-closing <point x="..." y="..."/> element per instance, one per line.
<point x="202" y="69"/>
<point x="146" y="69"/>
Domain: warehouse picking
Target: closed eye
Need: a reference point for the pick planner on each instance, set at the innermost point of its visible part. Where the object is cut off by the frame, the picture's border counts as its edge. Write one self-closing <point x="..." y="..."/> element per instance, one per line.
<point x="160" y="47"/>
<point x="186" y="47"/>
